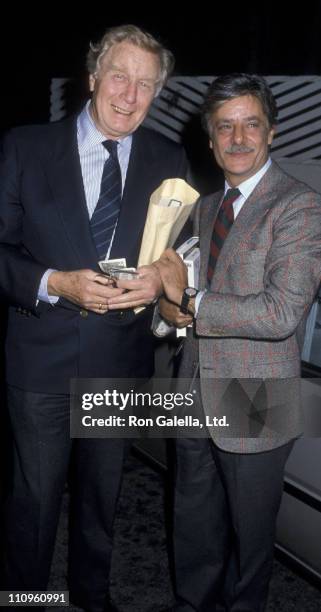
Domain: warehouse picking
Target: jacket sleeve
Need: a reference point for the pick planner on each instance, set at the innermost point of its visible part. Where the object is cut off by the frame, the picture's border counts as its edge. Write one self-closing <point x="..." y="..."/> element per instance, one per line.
<point x="20" y="274"/>
<point x="292" y="274"/>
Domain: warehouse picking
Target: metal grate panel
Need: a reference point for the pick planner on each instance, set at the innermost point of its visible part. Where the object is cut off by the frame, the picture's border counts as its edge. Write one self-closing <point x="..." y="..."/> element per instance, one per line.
<point x="298" y="134"/>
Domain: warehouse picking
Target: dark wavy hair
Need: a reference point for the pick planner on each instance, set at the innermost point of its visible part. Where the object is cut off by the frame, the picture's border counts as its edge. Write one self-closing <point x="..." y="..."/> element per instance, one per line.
<point x="234" y="85"/>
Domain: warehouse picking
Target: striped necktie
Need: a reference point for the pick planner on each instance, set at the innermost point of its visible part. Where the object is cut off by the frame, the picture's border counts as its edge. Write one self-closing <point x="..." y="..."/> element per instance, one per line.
<point x="222" y="225"/>
<point x="105" y="215"/>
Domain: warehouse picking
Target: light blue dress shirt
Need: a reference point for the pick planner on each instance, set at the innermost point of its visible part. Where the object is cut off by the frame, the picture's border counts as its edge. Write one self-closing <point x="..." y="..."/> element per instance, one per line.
<point x="92" y="159"/>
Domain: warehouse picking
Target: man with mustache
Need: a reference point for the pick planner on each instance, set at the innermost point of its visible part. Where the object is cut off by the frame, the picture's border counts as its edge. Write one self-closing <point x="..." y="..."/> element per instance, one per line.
<point x="260" y="243"/>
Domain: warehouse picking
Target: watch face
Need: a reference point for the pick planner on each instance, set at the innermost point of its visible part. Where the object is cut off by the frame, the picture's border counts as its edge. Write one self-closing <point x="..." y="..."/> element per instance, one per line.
<point x="190" y="292"/>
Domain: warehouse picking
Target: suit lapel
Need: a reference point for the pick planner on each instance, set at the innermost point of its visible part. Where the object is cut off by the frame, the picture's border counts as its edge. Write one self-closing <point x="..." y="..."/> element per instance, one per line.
<point x="138" y="188"/>
<point x="254" y="208"/>
<point x="65" y="178"/>
<point x="210" y="206"/>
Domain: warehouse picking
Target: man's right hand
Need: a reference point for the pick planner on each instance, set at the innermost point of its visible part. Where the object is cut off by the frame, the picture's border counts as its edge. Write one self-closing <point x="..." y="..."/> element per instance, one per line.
<point x="85" y="288"/>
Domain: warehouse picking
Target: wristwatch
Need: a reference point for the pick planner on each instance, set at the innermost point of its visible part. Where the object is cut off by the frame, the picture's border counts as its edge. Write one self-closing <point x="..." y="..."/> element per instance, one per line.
<point x="188" y="294"/>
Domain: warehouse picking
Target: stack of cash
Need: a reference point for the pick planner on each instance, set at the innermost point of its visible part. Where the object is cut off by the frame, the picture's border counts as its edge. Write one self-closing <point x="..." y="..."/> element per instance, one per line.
<point x="116" y="268"/>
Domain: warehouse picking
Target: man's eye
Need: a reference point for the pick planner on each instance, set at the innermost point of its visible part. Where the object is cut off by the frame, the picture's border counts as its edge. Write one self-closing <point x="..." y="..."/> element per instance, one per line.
<point x="145" y="85"/>
<point x="224" y="127"/>
<point x="119" y="77"/>
<point x="252" y="124"/>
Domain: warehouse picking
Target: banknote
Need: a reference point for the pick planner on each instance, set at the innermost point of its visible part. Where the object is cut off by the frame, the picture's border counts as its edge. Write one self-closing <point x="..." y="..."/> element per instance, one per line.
<point x="116" y="268"/>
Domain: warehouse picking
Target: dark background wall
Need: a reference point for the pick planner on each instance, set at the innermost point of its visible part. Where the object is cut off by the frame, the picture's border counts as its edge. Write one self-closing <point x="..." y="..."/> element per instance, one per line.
<point x="40" y="43"/>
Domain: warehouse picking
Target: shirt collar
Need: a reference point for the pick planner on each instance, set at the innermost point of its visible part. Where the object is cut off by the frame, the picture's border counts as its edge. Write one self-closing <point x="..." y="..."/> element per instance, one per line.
<point x="248" y="186"/>
<point x="88" y="134"/>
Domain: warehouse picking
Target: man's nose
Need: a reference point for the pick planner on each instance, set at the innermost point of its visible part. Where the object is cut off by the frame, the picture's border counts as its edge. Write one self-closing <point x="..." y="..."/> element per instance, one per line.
<point x="130" y="93"/>
<point x="238" y="134"/>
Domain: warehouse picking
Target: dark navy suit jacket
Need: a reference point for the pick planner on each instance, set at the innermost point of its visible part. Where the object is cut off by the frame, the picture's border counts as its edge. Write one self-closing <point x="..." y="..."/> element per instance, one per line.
<point x="44" y="224"/>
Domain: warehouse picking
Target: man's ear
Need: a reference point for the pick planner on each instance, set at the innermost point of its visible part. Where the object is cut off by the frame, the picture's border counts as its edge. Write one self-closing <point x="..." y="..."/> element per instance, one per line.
<point x="271" y="135"/>
<point x="92" y="81"/>
<point x="210" y="144"/>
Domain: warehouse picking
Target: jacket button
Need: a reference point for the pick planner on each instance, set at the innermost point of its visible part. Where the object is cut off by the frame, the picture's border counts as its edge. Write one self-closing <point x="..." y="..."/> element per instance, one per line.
<point x="84" y="313"/>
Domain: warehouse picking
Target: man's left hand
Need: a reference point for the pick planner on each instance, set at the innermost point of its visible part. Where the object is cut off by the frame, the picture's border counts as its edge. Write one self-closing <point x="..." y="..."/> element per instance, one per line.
<point x="172" y="314"/>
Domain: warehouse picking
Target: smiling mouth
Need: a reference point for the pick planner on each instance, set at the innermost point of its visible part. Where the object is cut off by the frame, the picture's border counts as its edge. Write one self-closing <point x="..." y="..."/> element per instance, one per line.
<point x="121" y="111"/>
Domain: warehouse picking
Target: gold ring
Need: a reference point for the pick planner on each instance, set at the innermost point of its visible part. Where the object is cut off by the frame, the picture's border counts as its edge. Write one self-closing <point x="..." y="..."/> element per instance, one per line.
<point x="100" y="306"/>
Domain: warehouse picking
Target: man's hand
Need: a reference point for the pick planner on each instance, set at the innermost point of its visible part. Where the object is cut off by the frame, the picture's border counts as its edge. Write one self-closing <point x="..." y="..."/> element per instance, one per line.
<point x="173" y="273"/>
<point x="144" y="289"/>
<point x="172" y="314"/>
<point x="86" y="288"/>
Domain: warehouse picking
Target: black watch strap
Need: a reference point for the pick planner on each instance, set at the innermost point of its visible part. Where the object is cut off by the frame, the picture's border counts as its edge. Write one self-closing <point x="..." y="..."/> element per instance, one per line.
<point x="188" y="294"/>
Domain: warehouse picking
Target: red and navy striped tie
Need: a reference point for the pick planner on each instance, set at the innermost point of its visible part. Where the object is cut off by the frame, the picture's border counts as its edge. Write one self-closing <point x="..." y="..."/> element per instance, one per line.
<point x="223" y="223"/>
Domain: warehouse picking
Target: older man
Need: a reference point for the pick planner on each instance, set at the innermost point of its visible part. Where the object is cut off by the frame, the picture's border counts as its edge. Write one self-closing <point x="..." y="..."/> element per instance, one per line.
<point x="73" y="193"/>
<point x="260" y="242"/>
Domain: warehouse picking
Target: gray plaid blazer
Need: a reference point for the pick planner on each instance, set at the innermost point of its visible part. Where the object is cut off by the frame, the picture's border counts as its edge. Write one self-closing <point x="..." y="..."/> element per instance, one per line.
<point x="250" y="325"/>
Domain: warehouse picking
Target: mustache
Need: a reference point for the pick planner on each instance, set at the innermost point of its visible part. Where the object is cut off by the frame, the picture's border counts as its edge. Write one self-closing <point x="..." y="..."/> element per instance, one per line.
<point x="234" y="148"/>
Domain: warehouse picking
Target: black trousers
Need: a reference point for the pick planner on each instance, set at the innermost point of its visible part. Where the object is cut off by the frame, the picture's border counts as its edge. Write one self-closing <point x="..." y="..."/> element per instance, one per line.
<point x="42" y="455"/>
<point x="226" y="506"/>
